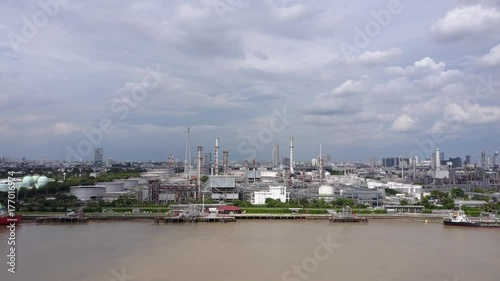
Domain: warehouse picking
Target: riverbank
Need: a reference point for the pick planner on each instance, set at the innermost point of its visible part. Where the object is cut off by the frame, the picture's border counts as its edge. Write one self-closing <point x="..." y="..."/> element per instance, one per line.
<point x="131" y="217"/>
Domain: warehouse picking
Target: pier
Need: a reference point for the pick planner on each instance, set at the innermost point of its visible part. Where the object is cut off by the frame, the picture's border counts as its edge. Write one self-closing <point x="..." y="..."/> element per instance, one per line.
<point x="181" y="219"/>
<point x="61" y="220"/>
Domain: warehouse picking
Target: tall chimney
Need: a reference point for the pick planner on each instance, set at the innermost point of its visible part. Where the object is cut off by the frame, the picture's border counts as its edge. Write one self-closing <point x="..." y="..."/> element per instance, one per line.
<point x="291" y="155"/>
<point x="438" y="160"/>
<point x="225" y="163"/>
<point x="320" y="164"/>
<point x="216" y="156"/>
<point x="200" y="160"/>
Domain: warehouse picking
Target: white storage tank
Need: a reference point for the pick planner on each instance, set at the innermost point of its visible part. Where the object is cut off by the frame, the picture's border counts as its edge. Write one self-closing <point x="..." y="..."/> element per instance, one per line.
<point x="130" y="183"/>
<point x="115" y="186"/>
<point x="142" y="181"/>
<point x="87" y="192"/>
<point x="325" y="190"/>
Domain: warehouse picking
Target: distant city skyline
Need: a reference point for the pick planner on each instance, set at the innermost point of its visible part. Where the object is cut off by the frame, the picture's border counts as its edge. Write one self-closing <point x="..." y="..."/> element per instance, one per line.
<point x="373" y="79"/>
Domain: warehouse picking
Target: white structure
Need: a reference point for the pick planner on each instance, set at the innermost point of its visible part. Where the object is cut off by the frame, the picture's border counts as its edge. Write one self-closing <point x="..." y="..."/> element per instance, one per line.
<point x="437" y="164"/>
<point x="88" y="192"/>
<point x="216" y="164"/>
<point x="291" y="155"/>
<point x="129" y="183"/>
<point x="412" y="190"/>
<point x="114" y="186"/>
<point x="275" y="192"/>
<point x="326" y="190"/>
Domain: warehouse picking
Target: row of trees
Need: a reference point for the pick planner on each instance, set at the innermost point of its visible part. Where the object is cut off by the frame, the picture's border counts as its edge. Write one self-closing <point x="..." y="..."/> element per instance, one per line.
<point x="303" y="203"/>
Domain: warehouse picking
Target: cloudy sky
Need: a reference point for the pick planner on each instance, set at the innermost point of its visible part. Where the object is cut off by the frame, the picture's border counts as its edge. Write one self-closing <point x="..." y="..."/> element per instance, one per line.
<point x="359" y="77"/>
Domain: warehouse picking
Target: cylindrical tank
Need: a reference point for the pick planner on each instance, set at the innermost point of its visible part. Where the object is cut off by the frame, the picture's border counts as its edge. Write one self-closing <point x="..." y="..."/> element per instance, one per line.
<point x="4" y="187"/>
<point x="87" y="192"/>
<point x="325" y="190"/>
<point x="130" y="183"/>
<point x="21" y="184"/>
<point x="115" y="186"/>
<point x="142" y="181"/>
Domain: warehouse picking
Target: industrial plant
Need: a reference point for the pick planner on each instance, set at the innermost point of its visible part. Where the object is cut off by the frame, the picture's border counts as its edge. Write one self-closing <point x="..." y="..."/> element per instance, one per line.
<point x="211" y="176"/>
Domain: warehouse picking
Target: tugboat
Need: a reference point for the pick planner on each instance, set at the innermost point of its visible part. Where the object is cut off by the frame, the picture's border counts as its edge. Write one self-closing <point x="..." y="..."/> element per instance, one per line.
<point x="459" y="218"/>
<point x="347" y="216"/>
<point x="7" y="220"/>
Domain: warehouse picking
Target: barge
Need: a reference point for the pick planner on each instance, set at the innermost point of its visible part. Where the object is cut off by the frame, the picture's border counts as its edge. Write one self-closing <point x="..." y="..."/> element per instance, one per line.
<point x="347" y="216"/>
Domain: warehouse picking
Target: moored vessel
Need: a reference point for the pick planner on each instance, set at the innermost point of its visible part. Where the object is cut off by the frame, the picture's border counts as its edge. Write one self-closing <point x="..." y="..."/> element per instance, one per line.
<point x="5" y="219"/>
<point x="459" y="218"/>
<point x="347" y="216"/>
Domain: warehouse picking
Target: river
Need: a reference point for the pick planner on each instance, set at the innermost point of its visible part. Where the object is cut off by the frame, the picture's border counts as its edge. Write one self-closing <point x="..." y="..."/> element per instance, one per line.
<point x="252" y="250"/>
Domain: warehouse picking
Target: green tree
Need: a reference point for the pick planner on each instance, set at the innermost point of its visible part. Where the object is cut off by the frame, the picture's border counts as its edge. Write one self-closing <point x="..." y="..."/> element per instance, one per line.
<point x="403" y="202"/>
<point x="271" y="203"/>
<point x="389" y="191"/>
<point x="457" y="193"/>
<point x="204" y="179"/>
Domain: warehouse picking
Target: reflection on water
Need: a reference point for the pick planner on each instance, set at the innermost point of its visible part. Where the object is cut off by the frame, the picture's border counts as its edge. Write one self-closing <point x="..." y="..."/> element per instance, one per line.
<point x="253" y="250"/>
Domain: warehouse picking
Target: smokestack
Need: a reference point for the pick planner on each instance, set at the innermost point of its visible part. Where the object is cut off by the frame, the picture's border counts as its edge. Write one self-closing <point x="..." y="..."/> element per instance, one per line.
<point x="225" y="163"/>
<point x="438" y="160"/>
<point x="291" y="155"/>
<point x="320" y="164"/>
<point x="200" y="160"/>
<point x="216" y="156"/>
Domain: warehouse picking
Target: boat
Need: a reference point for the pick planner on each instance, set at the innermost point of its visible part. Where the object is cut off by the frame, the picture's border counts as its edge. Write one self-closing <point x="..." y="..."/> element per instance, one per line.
<point x="347" y="216"/>
<point x="459" y="218"/>
<point x="8" y="220"/>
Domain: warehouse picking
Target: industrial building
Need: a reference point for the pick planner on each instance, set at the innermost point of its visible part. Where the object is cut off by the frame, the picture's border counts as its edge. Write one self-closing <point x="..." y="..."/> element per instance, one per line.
<point x="274" y="192"/>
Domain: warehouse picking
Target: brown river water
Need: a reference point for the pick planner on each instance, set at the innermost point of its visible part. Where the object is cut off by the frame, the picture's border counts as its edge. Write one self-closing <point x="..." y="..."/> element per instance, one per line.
<point x="252" y="250"/>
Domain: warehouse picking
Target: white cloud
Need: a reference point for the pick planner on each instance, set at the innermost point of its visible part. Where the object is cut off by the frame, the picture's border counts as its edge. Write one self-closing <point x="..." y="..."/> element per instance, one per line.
<point x="293" y="12"/>
<point x="467" y="21"/>
<point x="349" y="87"/>
<point x="492" y="58"/>
<point x="374" y="57"/>
<point x="428" y="63"/>
<point x="403" y="123"/>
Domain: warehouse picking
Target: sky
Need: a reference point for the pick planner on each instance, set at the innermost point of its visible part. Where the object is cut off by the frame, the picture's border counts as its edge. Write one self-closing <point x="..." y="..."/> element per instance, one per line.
<point x="359" y="78"/>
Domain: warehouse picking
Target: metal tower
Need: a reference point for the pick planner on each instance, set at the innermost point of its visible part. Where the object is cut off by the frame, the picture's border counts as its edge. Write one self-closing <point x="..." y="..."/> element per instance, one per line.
<point x="291" y="155"/>
<point x="187" y="161"/>
<point x="216" y="165"/>
<point x="320" y="164"/>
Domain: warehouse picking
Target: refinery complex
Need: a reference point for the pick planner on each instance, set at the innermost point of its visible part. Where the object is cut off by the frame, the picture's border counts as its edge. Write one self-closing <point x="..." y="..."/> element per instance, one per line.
<point x="219" y="179"/>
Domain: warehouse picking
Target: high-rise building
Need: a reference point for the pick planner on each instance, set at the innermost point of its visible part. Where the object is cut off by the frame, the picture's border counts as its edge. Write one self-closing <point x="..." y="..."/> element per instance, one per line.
<point x="496" y="160"/>
<point x="98" y="157"/>
<point x="276" y="155"/>
<point x="467" y="159"/>
<point x="482" y="160"/>
<point x="285" y="161"/>
<point x="456" y="162"/>
<point x="389" y="162"/>
<point x="207" y="159"/>
<point x="109" y="162"/>
<point x="371" y="161"/>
